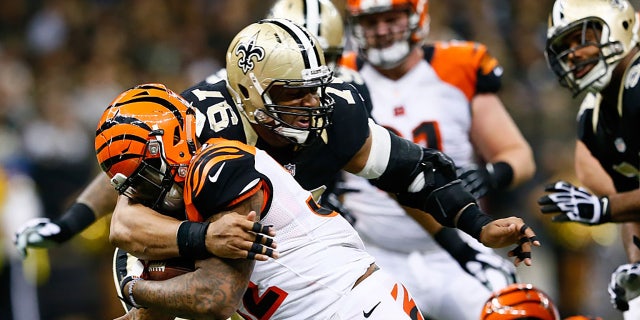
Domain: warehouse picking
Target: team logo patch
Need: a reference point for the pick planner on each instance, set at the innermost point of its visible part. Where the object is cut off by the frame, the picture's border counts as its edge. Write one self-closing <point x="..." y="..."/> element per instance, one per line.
<point x="291" y="167"/>
<point x="620" y="145"/>
<point x="247" y="51"/>
<point x="398" y="111"/>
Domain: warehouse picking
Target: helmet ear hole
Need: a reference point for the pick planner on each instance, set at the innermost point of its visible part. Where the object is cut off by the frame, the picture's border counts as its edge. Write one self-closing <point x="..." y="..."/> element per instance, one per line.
<point x="244" y="91"/>
<point x="176" y="136"/>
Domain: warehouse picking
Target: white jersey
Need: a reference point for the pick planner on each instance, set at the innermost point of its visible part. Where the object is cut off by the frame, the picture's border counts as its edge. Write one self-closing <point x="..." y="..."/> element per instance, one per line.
<point x="321" y="255"/>
<point x="418" y="107"/>
<point x="431" y="106"/>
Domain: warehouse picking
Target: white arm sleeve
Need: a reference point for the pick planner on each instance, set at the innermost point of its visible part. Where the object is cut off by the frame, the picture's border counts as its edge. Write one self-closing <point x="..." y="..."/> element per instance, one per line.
<point x="379" y="153"/>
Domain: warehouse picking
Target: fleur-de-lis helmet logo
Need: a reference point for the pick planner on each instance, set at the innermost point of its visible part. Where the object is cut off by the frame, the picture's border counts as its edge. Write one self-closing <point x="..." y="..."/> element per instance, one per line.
<point x="247" y="51"/>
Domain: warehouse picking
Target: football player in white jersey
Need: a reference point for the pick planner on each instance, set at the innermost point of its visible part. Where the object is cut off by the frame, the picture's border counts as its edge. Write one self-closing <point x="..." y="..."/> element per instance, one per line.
<point x="592" y="46"/>
<point x="440" y="95"/>
<point x="145" y="141"/>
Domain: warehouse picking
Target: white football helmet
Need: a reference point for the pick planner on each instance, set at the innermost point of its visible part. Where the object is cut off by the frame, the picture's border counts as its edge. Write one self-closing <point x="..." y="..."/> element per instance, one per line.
<point x="321" y="18"/>
<point x="274" y="54"/>
<point x="392" y="56"/>
<point x="615" y="21"/>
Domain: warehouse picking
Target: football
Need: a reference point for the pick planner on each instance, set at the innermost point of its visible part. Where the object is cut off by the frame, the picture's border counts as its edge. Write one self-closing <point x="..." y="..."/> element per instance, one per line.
<point x="166" y="269"/>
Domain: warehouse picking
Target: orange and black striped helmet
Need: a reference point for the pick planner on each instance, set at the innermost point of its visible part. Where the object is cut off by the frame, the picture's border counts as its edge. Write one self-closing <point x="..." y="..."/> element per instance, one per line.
<point x="519" y="301"/>
<point x="145" y="141"/>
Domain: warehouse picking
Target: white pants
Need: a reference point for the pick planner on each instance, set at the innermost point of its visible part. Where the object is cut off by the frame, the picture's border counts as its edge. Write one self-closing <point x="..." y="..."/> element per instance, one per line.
<point x="634" y="310"/>
<point x="378" y="297"/>
<point x="441" y="288"/>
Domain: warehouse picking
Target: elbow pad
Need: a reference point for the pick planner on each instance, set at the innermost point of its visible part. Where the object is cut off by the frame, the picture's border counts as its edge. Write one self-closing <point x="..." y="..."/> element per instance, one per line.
<point x="426" y="179"/>
<point x="412" y="168"/>
<point x="448" y="202"/>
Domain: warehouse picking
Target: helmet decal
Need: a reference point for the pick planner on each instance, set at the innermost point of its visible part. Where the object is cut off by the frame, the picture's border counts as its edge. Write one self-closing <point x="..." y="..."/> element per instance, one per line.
<point x="278" y="55"/>
<point x="306" y="42"/>
<point x="247" y="51"/>
<point x="320" y="18"/>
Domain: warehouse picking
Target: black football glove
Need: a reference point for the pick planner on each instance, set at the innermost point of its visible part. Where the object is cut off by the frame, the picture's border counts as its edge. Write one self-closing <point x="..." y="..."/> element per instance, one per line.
<point x="481" y="181"/>
<point x="493" y="271"/>
<point x="331" y="200"/>
<point x="574" y="204"/>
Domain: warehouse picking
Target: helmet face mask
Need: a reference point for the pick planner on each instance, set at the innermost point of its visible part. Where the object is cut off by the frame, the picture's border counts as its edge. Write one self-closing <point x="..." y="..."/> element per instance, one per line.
<point x="284" y="110"/>
<point x="153" y="183"/>
<point x="407" y="34"/>
<point x="578" y="74"/>
<point x="144" y="142"/>
<point x="586" y="40"/>
<point x="272" y="55"/>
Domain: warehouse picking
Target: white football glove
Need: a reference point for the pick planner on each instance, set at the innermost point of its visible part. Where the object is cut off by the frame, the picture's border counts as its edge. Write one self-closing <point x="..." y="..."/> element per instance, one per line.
<point x="574" y="204"/>
<point x="624" y="285"/>
<point x="37" y="233"/>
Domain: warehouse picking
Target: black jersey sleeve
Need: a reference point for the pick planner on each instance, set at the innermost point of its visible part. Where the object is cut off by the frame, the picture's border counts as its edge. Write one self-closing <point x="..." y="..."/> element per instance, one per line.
<point x="349" y="127"/>
<point x="220" y="176"/>
<point x="217" y="115"/>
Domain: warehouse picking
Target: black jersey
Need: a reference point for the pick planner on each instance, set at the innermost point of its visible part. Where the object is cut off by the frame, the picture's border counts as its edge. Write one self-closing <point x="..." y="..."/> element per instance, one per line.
<point x="609" y="128"/>
<point x="313" y="166"/>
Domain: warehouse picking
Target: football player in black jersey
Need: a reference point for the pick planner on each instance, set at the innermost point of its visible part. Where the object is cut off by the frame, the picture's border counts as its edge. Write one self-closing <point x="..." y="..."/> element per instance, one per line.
<point x="592" y="46"/>
<point x="320" y="130"/>
<point x="314" y="134"/>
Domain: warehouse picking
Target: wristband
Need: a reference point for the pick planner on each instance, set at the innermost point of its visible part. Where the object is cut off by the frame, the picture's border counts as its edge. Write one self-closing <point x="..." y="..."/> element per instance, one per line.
<point x="471" y="221"/>
<point x="129" y="300"/>
<point x="501" y="174"/>
<point x="191" y="240"/>
<point x="77" y="218"/>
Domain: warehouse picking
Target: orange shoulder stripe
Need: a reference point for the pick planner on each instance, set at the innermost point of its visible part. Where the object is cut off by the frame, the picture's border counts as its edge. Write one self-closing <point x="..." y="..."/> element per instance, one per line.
<point x="458" y="62"/>
<point x="348" y="60"/>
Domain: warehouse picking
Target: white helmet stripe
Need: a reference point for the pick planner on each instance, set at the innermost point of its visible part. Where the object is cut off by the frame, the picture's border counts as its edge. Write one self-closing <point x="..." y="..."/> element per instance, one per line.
<point x="312" y="16"/>
<point x="310" y="55"/>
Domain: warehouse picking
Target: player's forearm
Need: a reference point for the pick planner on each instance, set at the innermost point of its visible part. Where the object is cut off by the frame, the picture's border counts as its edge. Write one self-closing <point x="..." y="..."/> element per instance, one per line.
<point x="143" y="232"/>
<point x="99" y="195"/>
<point x="97" y="200"/>
<point x="625" y="206"/>
<point x="213" y="291"/>
<point x="522" y="165"/>
<point x="628" y="230"/>
<point x="145" y="314"/>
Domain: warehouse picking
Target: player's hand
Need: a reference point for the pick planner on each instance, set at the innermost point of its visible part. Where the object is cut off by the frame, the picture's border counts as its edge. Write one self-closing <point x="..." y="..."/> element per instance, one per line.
<point x="624" y="285"/>
<point x="490" y="269"/>
<point x="476" y="180"/>
<point x="508" y="231"/>
<point x="574" y="204"/>
<point x="36" y="233"/>
<point x="237" y="236"/>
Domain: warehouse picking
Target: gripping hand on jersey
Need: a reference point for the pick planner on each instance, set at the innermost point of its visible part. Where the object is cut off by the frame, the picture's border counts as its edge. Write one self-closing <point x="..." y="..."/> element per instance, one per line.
<point x="37" y="233"/>
<point x="574" y="204"/>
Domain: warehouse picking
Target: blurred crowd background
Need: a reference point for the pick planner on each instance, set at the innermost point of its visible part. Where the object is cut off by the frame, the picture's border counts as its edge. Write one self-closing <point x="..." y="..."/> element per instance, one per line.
<point x="63" y="61"/>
